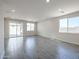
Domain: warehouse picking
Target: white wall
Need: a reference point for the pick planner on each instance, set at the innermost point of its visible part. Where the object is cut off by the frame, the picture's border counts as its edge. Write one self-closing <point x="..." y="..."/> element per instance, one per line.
<point x="50" y="28"/>
<point x="1" y="32"/>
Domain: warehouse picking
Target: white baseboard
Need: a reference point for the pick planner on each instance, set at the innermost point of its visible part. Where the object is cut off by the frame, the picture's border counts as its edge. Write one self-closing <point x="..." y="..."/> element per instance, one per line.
<point x="69" y="42"/>
<point x="60" y="40"/>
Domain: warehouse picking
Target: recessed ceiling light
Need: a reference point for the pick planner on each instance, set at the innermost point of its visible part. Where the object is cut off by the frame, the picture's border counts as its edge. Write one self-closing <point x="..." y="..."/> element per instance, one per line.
<point x="47" y="1"/>
<point x="13" y="10"/>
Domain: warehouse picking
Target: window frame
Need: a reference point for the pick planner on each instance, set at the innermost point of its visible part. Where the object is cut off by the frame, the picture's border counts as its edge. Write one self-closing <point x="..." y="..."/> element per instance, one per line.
<point x="30" y="27"/>
<point x="68" y="19"/>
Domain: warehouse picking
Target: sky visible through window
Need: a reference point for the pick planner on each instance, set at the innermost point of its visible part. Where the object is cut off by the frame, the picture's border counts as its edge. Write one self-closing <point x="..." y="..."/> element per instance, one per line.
<point x="30" y="26"/>
<point x="63" y="23"/>
<point x="74" y="22"/>
<point x="69" y="25"/>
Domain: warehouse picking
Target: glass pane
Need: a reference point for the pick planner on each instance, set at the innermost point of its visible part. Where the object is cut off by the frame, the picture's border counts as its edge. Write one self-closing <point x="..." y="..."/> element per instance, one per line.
<point x="12" y="31"/>
<point x="32" y="27"/>
<point x="28" y="26"/>
<point x="73" y="25"/>
<point x="21" y="30"/>
<point x="18" y="31"/>
<point x="15" y="29"/>
<point x="63" y="25"/>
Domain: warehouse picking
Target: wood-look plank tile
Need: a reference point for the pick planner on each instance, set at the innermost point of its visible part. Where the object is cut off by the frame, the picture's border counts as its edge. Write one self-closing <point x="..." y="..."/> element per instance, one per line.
<point x="37" y="47"/>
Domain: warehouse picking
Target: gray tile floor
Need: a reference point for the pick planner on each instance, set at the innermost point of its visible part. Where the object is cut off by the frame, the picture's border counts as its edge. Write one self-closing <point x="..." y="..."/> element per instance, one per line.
<point x="37" y="47"/>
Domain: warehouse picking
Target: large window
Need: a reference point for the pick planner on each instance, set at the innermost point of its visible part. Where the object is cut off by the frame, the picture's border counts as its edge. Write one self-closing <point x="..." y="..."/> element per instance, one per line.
<point x="63" y="25"/>
<point x="30" y="26"/>
<point x="69" y="25"/>
<point x="15" y="29"/>
<point x="73" y="26"/>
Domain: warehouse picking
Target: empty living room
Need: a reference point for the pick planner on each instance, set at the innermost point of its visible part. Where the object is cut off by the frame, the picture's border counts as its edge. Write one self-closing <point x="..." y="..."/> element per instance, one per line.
<point x="39" y="29"/>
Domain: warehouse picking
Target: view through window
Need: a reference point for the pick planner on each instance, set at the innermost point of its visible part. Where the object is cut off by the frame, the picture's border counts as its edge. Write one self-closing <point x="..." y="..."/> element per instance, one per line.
<point x="69" y="25"/>
<point x="63" y="25"/>
<point x="30" y="26"/>
<point x="15" y="29"/>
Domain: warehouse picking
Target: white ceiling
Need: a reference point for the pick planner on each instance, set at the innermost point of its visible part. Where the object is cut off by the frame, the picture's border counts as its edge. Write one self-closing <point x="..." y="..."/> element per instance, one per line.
<point x="36" y="10"/>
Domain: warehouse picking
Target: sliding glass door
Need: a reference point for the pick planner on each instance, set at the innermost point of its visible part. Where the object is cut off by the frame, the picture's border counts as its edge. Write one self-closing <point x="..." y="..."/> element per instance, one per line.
<point x="15" y="29"/>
